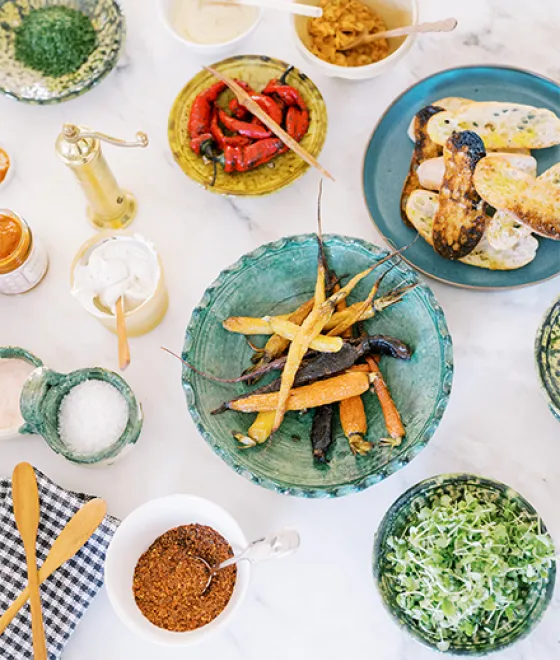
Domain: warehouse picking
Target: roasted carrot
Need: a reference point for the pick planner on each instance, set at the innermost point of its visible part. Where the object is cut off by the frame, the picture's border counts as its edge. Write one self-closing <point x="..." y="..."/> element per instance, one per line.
<point x="391" y="415"/>
<point x="261" y="428"/>
<point x="358" y="311"/>
<point x="276" y="345"/>
<point x="325" y="365"/>
<point x="322" y="432"/>
<point x="253" y="325"/>
<point x="309" y="396"/>
<point x="354" y="424"/>
<point x="311" y="328"/>
<point x="321" y="343"/>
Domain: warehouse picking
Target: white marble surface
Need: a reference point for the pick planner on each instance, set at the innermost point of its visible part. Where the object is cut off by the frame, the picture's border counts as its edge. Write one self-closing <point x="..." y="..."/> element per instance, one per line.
<point x="320" y="603"/>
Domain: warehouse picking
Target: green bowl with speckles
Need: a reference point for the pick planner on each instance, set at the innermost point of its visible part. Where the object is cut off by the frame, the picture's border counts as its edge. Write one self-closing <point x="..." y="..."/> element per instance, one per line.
<point x="24" y="84"/>
<point x="547" y="357"/>
<point x="275" y="279"/>
<point x="409" y="504"/>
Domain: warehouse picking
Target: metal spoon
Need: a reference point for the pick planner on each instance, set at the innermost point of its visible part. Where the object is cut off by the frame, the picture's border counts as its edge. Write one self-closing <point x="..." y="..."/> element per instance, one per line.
<point x="273" y="546"/>
<point x="447" y="25"/>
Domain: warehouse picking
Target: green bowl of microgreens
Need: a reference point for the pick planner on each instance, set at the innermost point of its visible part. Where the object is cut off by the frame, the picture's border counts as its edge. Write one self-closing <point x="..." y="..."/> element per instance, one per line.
<point x="464" y="564"/>
<point x="55" y="50"/>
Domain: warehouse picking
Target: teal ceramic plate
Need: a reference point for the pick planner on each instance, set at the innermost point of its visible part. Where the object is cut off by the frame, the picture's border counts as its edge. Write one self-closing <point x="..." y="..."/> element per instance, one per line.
<point x="537" y="599"/>
<point x="547" y="355"/>
<point x="275" y="279"/>
<point x="24" y="84"/>
<point x="387" y="160"/>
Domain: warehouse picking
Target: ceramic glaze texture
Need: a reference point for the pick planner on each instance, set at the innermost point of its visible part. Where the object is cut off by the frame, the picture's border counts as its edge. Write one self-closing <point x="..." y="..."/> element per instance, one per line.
<point x="410" y="503"/>
<point x="387" y="160"/>
<point x="25" y="84"/>
<point x="320" y="604"/>
<point x="547" y="355"/>
<point x="276" y="279"/>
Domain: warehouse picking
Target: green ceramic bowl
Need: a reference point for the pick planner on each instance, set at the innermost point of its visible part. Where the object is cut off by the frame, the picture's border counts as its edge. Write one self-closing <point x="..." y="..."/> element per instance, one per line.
<point x="547" y="356"/>
<point x="397" y="517"/>
<point x="24" y="84"/>
<point x="256" y="70"/>
<point x="42" y="396"/>
<point x="275" y="279"/>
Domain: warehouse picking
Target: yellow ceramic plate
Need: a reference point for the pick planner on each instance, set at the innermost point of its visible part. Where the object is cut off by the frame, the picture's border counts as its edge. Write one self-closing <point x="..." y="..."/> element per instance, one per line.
<point x="257" y="71"/>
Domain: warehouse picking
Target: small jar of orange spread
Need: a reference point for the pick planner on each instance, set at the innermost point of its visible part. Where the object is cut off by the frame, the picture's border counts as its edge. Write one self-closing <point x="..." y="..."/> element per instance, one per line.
<point x="23" y="259"/>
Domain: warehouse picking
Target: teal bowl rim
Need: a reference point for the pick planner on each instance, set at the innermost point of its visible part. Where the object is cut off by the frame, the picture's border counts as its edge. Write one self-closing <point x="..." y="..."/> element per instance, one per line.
<point x="131" y="432"/>
<point x="72" y="94"/>
<point x="551" y="393"/>
<point x="385" y="527"/>
<point x="18" y="353"/>
<point x="337" y="490"/>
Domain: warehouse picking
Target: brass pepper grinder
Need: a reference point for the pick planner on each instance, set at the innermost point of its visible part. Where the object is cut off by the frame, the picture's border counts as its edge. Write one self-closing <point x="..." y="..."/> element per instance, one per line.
<point x="110" y="207"/>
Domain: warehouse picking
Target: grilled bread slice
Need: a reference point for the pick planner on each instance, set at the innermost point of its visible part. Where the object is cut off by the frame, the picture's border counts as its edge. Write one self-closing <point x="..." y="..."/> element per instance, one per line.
<point x="504" y="229"/>
<point x="424" y="149"/>
<point x="461" y="218"/>
<point x="500" y="125"/>
<point x="421" y="209"/>
<point x="535" y="201"/>
<point x="453" y="103"/>
<point x="430" y="172"/>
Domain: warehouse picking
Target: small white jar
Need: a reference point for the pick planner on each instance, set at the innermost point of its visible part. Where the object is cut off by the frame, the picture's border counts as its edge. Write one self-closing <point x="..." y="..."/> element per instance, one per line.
<point x="25" y="263"/>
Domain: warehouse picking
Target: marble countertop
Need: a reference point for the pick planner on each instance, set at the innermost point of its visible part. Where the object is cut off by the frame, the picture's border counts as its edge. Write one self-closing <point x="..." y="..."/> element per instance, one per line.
<point x="320" y="603"/>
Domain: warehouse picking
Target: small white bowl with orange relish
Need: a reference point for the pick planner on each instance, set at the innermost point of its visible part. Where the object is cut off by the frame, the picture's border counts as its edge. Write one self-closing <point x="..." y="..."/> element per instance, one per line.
<point x="318" y="39"/>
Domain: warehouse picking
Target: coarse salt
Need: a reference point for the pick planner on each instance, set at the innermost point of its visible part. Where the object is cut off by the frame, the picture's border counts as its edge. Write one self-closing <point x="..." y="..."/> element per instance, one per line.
<point x="92" y="417"/>
<point x="13" y="374"/>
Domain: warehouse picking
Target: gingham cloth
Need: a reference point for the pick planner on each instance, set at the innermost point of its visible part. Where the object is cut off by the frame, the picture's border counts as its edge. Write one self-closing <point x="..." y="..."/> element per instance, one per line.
<point x="67" y="593"/>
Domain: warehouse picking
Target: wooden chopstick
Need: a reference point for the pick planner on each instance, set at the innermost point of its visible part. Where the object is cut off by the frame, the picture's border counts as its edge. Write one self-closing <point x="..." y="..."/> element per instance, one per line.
<point x="245" y="100"/>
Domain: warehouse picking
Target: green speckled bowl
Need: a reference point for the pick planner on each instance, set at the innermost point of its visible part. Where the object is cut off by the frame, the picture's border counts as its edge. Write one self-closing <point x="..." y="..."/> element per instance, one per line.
<point x="275" y="279"/>
<point x="42" y="396"/>
<point x="547" y="356"/>
<point x="397" y="517"/>
<point x="24" y="84"/>
<point x="256" y="70"/>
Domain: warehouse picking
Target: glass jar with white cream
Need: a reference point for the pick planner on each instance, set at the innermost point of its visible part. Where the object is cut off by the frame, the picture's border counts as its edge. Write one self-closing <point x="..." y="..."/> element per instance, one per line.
<point x="115" y="265"/>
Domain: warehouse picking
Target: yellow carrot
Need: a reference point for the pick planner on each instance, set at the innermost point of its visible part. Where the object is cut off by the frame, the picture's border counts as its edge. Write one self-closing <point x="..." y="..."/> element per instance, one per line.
<point x="261" y="428"/>
<point x="309" y="396"/>
<point x="309" y="329"/>
<point x="393" y="421"/>
<point x="250" y="325"/>
<point x="321" y="343"/>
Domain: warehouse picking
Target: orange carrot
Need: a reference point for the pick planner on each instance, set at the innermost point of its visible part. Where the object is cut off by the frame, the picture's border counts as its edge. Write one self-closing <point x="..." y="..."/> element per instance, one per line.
<point x="317" y="394"/>
<point x="391" y="415"/>
<point x="354" y="424"/>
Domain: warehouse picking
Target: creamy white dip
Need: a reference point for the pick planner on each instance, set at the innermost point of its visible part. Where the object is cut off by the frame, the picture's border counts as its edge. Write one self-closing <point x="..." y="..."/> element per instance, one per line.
<point x="124" y="266"/>
<point x="205" y="23"/>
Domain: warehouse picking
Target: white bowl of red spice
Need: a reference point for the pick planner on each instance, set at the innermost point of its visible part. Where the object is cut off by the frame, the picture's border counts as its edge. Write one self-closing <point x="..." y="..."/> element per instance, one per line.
<point x="155" y="585"/>
<point x="342" y="21"/>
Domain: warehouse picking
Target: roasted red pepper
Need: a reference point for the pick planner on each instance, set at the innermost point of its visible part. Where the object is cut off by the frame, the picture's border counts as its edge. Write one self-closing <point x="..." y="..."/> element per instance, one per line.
<point x="286" y="93"/>
<point x="297" y="122"/>
<point x="201" y="115"/>
<point x="243" y="128"/>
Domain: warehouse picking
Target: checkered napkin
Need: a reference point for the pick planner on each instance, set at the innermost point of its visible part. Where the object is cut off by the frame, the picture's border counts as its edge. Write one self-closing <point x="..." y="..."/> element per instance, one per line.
<point x="67" y="593"/>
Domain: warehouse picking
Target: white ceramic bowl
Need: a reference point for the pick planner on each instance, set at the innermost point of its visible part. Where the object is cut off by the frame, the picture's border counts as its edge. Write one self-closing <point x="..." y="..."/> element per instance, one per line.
<point x="166" y="9"/>
<point x="135" y="535"/>
<point x="395" y="13"/>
